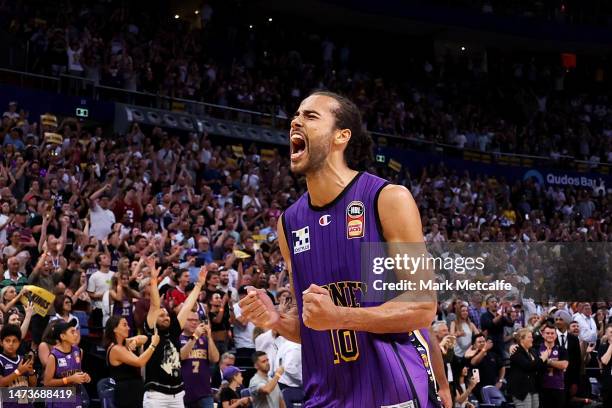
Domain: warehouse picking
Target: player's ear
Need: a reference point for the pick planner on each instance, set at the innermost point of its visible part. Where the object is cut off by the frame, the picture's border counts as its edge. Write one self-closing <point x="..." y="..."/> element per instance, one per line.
<point x="342" y="136"/>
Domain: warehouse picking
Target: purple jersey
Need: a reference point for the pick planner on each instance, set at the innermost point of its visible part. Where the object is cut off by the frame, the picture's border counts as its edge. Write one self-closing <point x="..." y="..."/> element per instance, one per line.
<point x="67" y="364"/>
<point x="344" y="368"/>
<point x="196" y="370"/>
<point x="125" y="309"/>
<point x="553" y="377"/>
<point x="7" y="367"/>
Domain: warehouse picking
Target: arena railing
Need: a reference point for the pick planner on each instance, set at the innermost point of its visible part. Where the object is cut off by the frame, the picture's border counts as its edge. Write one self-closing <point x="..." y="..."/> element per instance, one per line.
<point x="88" y="87"/>
<point x="79" y="86"/>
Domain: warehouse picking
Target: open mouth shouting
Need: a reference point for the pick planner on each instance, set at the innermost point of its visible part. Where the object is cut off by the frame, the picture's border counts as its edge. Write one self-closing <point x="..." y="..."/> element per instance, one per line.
<point x="298" y="146"/>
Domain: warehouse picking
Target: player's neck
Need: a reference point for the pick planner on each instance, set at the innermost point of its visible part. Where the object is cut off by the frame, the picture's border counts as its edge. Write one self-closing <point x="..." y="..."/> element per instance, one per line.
<point x="327" y="183"/>
<point x="64" y="347"/>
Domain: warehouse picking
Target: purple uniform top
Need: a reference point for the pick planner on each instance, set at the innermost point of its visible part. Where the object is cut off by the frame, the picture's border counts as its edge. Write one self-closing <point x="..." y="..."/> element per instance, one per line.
<point x="67" y="364"/>
<point x="553" y="378"/>
<point x="7" y="367"/>
<point x="344" y="368"/>
<point x="125" y="309"/>
<point x="196" y="370"/>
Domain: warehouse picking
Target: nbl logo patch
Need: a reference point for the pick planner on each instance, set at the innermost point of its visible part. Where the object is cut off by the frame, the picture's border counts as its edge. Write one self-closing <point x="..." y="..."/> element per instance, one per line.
<point x="301" y="240"/>
<point x="355" y="220"/>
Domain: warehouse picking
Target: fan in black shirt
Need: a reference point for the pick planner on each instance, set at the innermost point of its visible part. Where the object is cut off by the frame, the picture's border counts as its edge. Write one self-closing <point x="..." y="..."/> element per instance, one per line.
<point x="163" y="380"/>
<point x="228" y="396"/>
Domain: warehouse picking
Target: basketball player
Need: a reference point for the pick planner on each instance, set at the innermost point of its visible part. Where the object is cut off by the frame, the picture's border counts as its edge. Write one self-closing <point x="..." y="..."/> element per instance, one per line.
<point x="352" y="356"/>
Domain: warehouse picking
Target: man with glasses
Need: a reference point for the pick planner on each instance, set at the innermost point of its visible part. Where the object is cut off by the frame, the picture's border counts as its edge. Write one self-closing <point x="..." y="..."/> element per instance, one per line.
<point x="198" y="352"/>
<point x="205" y="255"/>
<point x="588" y="328"/>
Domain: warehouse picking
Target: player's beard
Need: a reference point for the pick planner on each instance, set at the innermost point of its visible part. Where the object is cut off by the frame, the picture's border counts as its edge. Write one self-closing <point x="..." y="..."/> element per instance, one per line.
<point x="315" y="157"/>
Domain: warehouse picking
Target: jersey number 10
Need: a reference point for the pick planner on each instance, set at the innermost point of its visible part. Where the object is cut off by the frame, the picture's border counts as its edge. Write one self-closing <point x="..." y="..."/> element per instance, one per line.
<point x="345" y="345"/>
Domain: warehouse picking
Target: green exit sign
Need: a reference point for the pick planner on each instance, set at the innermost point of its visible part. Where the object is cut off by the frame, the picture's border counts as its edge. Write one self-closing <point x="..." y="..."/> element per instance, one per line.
<point x="380" y="158"/>
<point x="82" y="112"/>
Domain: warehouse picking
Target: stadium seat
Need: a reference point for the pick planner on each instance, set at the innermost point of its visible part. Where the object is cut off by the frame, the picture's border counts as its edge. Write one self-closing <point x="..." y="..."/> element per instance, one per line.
<point x="595" y="387"/>
<point x="106" y="392"/>
<point x="292" y="395"/>
<point x="83" y="321"/>
<point x="492" y="397"/>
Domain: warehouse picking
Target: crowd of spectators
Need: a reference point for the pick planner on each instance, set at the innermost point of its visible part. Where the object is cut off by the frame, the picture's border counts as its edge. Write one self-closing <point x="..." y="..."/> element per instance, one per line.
<point x="467" y="98"/>
<point x="108" y="224"/>
<point x="91" y="220"/>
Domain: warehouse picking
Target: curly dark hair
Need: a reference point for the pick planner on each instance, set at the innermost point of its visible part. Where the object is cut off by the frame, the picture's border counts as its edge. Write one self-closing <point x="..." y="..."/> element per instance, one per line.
<point x="358" y="153"/>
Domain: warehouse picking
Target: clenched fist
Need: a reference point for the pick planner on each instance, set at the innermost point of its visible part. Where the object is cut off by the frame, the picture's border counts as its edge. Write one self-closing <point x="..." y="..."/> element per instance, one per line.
<point x="319" y="311"/>
<point x="258" y="308"/>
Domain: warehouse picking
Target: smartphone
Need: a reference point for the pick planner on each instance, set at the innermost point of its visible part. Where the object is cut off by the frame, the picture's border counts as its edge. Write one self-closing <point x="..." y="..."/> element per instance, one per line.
<point x="476" y="374"/>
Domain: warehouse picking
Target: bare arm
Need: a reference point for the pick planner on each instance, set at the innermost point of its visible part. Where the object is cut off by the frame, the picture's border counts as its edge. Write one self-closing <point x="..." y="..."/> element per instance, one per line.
<point x="43" y="233"/>
<point x="6" y="307"/>
<point x="121" y="355"/>
<point x="437" y="364"/>
<point x="97" y="194"/>
<point x="289" y="323"/>
<point x="155" y="303"/>
<point x="605" y="359"/>
<point x="26" y="321"/>
<point x="186" y="349"/>
<point x="558" y="364"/>
<point x="270" y="385"/>
<point x="478" y="357"/>
<point x="401" y="223"/>
<point x="64" y="235"/>
<point x="192" y="298"/>
<point x="213" y="351"/>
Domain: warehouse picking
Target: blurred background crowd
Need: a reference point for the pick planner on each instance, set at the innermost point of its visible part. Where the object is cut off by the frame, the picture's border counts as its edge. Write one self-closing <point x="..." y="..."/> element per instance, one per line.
<point x="83" y="217"/>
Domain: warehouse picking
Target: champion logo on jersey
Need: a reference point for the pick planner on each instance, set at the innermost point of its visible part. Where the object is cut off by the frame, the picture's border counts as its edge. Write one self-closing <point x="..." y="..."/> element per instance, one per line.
<point x="301" y="240"/>
<point x="355" y="220"/>
<point x="325" y="220"/>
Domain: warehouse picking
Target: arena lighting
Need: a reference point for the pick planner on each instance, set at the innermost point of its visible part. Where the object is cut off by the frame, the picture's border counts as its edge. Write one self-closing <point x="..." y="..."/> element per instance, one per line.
<point x="250" y="26"/>
<point x="170" y="120"/>
<point x="176" y="16"/>
<point x="197" y="11"/>
<point x="137" y="115"/>
<point x="462" y="48"/>
<point x="270" y="20"/>
<point x="154" y="118"/>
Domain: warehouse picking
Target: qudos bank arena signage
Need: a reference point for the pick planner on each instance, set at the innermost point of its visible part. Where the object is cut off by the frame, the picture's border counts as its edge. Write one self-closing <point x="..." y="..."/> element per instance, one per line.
<point x="415" y="161"/>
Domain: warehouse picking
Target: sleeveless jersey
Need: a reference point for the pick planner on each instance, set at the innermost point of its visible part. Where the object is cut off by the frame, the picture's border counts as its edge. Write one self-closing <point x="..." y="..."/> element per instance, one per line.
<point x="125" y="309"/>
<point x="8" y="367"/>
<point x="196" y="370"/>
<point x="67" y="364"/>
<point x="344" y="368"/>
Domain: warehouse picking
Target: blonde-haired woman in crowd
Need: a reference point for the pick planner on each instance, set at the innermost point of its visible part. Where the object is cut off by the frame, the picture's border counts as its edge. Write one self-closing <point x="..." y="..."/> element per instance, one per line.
<point x="525" y="366"/>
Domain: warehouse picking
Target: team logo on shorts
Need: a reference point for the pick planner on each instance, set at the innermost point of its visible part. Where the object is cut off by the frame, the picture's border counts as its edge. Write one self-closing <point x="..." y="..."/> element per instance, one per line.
<point x="325" y="220"/>
<point x="355" y="220"/>
<point x="301" y="240"/>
